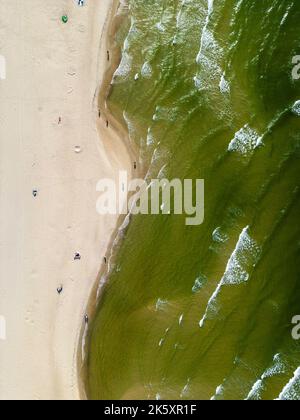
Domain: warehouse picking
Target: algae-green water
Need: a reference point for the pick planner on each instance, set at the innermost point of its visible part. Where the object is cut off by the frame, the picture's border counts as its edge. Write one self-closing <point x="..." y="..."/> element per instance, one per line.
<point x="205" y="312"/>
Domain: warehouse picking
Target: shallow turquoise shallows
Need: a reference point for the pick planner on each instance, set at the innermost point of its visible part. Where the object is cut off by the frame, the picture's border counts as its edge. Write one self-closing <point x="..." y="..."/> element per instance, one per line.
<point x="209" y="91"/>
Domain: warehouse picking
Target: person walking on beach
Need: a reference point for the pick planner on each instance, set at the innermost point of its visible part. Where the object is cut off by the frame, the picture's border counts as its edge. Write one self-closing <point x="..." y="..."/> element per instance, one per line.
<point x="60" y="290"/>
<point x="108" y="56"/>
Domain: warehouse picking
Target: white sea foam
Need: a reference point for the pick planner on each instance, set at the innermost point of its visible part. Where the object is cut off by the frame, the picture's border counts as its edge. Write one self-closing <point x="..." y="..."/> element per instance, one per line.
<point x="286" y="15"/>
<point x="102" y="282"/>
<point x="180" y="21"/>
<point x="125" y="224"/>
<point x="208" y="46"/>
<point x="199" y="283"/>
<point x="150" y="138"/>
<point x="83" y="342"/>
<point x="186" y="389"/>
<point x="132" y="35"/>
<point x="156" y="156"/>
<point x="130" y="125"/>
<point x="218" y="393"/>
<point x="255" y="393"/>
<point x="277" y="367"/>
<point x="212" y="307"/>
<point x="245" y="254"/>
<point x="146" y="70"/>
<point x="208" y="54"/>
<point x="244" y="141"/>
<point x="290" y="392"/>
<point x="197" y="82"/>
<point x="160" y="27"/>
<point x="224" y="85"/>
<point x="162" y="172"/>
<point x="238" y="6"/>
<point x="161" y="305"/>
<point x="165" y="114"/>
<point x="125" y="66"/>
<point x="246" y="249"/>
<point x="178" y="17"/>
<point x="219" y="236"/>
<point x="161" y="342"/>
<point x="284" y="18"/>
<point x="210" y="6"/>
<point x="208" y="42"/>
<point x="296" y="108"/>
<point x="210" y="70"/>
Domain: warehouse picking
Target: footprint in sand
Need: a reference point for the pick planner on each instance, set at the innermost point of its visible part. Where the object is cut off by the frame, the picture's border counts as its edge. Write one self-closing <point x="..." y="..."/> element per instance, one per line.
<point x="72" y="71"/>
<point x="29" y="320"/>
<point x="72" y="50"/>
<point x="81" y="28"/>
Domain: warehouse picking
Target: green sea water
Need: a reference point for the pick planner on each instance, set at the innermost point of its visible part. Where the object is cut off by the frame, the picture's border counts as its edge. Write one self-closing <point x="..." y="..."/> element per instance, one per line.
<point x="201" y="312"/>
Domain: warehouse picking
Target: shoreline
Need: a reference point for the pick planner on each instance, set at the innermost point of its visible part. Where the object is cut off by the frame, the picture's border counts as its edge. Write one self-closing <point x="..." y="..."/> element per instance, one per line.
<point x="107" y="43"/>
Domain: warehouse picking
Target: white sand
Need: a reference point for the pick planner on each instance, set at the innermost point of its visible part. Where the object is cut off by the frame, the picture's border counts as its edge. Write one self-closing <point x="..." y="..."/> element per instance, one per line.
<point x="53" y="70"/>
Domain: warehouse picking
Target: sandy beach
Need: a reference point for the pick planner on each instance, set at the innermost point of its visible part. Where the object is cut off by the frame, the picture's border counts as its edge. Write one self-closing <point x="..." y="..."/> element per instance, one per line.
<point x="51" y="141"/>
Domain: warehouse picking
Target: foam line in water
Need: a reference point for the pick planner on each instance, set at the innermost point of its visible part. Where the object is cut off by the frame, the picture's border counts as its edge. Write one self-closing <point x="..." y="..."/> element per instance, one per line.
<point x="245" y="141"/>
<point x="199" y="283"/>
<point x="289" y="391"/>
<point x="210" y="6"/>
<point x="161" y="304"/>
<point x="283" y="20"/>
<point x="130" y="125"/>
<point x="296" y="108"/>
<point x="205" y="34"/>
<point x="219" y="236"/>
<point x="146" y="70"/>
<point x="83" y="342"/>
<point x="224" y="85"/>
<point x="125" y="65"/>
<point x="186" y="389"/>
<point x="245" y="253"/>
<point x="256" y="390"/>
<point x="219" y="392"/>
<point x="277" y="367"/>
